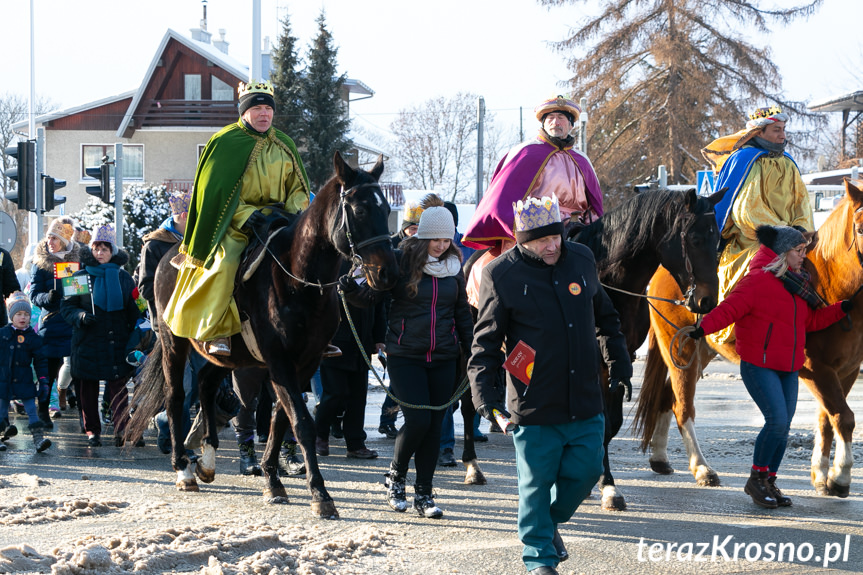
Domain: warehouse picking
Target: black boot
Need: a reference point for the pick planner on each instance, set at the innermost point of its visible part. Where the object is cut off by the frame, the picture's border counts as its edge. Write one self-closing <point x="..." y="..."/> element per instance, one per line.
<point x="7" y="430"/>
<point x="248" y="459"/>
<point x="424" y="502"/>
<point x="39" y="440"/>
<point x="395" y="484"/>
<point x="758" y="489"/>
<point x="781" y="500"/>
<point x="289" y="462"/>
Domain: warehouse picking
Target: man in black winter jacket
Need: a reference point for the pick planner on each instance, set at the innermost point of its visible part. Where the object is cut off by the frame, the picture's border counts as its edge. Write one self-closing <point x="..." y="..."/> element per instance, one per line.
<point x="544" y="293"/>
<point x="8" y="282"/>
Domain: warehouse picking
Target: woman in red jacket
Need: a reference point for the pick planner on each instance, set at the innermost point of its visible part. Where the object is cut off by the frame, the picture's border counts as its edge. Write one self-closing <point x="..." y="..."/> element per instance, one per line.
<point x="772" y="308"/>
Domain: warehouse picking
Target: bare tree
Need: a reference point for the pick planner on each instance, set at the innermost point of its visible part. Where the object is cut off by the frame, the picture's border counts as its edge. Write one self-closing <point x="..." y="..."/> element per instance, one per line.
<point x="434" y="144"/>
<point x="665" y="77"/>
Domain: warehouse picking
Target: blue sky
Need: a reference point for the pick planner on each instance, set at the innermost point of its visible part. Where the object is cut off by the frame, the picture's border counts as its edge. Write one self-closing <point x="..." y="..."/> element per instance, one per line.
<point x="406" y="51"/>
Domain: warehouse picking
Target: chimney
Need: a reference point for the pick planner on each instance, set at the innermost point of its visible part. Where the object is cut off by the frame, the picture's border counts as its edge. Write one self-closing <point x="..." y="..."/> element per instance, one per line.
<point x="221" y="44"/>
<point x="201" y="34"/>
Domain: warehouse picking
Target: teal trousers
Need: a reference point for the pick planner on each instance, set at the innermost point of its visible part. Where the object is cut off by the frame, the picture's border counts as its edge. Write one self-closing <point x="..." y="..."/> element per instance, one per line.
<point x="557" y="466"/>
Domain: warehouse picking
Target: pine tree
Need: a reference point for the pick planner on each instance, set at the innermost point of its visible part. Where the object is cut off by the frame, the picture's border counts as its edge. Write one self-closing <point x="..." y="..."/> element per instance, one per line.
<point x="286" y="82"/>
<point x="665" y="77"/>
<point x="325" y="119"/>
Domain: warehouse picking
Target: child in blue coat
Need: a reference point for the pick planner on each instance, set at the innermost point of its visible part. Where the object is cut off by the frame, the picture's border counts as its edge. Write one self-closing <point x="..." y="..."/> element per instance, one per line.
<point x="20" y="354"/>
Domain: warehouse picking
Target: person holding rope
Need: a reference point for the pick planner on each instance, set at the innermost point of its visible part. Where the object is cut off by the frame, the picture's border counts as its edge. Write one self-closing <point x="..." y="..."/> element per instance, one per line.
<point x="773" y="307"/>
<point x="428" y="320"/>
<point x="544" y="297"/>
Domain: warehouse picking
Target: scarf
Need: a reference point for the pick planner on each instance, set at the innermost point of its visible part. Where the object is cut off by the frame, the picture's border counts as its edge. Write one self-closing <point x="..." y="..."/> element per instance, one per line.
<point x="775" y="150"/>
<point x="561" y="143"/>
<point x="168" y="224"/>
<point x="107" y="293"/>
<point x="797" y="283"/>
<point x="442" y="268"/>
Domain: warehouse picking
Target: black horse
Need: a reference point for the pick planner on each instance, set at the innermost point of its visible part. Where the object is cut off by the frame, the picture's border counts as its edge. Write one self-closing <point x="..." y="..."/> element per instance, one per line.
<point x="676" y="230"/>
<point x="292" y="309"/>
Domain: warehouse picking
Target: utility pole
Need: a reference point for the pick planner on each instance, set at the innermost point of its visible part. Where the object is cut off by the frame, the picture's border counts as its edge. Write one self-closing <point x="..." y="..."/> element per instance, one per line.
<point x="34" y="218"/>
<point x="480" y="125"/>
<point x="520" y="124"/>
<point x="118" y="193"/>
<point x="582" y="127"/>
<point x="255" y="68"/>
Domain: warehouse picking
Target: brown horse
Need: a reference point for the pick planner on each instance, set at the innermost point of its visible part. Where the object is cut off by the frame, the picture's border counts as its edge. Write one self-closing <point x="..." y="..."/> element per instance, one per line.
<point x="833" y="358"/>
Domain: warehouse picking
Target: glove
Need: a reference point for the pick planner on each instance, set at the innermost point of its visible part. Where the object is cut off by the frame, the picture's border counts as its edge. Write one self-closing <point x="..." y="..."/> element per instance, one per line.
<point x="627" y="385"/>
<point x="347" y="284"/>
<point x="697" y="333"/>
<point x="486" y="409"/>
<point x="847" y="305"/>
<point x="54" y="296"/>
<point x="255" y="221"/>
<point x="86" y="319"/>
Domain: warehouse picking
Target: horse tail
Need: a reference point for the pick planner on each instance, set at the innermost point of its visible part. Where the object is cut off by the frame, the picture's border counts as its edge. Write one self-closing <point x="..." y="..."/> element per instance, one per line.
<point x="149" y="396"/>
<point x="655" y="396"/>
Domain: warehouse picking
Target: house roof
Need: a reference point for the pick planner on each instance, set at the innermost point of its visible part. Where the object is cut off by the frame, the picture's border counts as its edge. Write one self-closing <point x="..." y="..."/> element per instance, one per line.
<point x="45" y="118"/>
<point x="852" y="101"/>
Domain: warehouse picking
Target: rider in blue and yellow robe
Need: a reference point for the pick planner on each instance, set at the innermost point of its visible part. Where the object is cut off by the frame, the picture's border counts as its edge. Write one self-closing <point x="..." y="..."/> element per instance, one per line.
<point x="244" y="167"/>
<point x="764" y="188"/>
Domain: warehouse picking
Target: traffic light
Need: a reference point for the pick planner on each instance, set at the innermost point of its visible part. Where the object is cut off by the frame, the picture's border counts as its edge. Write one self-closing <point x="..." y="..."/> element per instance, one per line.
<point x="51" y="200"/>
<point x="103" y="190"/>
<point x="24" y="175"/>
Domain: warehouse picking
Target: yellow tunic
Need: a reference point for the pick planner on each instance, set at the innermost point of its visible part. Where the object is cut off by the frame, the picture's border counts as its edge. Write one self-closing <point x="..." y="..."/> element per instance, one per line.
<point x="772" y="194"/>
<point x="202" y="306"/>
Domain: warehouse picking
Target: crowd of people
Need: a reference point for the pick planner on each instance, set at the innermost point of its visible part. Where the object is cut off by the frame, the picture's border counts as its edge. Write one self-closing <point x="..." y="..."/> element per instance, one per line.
<point x="73" y="315"/>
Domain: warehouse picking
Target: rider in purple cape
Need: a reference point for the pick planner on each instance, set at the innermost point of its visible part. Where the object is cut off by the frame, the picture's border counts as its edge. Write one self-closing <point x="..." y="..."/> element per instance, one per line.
<point x="545" y="166"/>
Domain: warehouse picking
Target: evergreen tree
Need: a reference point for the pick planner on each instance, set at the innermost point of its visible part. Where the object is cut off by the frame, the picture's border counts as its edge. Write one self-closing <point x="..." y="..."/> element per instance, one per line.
<point x="665" y="77"/>
<point x="325" y="119"/>
<point x="286" y="83"/>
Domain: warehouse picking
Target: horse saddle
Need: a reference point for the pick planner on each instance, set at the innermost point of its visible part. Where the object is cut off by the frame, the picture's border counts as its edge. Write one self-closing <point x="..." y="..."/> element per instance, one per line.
<point x="260" y="229"/>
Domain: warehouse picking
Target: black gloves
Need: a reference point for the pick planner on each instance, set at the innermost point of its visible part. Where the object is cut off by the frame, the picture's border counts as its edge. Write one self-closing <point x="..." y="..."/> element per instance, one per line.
<point x="697" y="333"/>
<point x="847" y="305"/>
<point x="347" y="284"/>
<point x="86" y="319"/>
<point x="627" y="385"/>
<point x="54" y="296"/>
<point x="256" y="221"/>
<point x="485" y="410"/>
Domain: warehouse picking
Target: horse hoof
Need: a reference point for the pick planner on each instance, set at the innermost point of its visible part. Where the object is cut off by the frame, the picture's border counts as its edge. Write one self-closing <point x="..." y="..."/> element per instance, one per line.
<point x="708" y="480"/>
<point x="325" y="509"/>
<point x="188" y="485"/>
<point x="279" y="500"/>
<point x="474" y="475"/>
<point x="837" y="490"/>
<point x="661" y="467"/>
<point x="616" y="503"/>
<point x="205" y="475"/>
<point x="276" y="496"/>
<point x="821" y="489"/>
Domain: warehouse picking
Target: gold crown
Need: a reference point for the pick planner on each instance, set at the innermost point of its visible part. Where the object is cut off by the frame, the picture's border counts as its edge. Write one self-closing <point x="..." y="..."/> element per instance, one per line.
<point x="255" y="87"/>
<point x="533" y="213"/>
<point x="765" y="112"/>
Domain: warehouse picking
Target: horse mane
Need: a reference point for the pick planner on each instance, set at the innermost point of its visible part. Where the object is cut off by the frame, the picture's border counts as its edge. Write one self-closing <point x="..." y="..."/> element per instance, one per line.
<point x="630" y="228"/>
<point x="319" y="210"/>
<point x="834" y="235"/>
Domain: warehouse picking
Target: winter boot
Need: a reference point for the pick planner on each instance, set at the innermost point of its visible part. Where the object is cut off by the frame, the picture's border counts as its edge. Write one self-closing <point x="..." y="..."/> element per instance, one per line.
<point x="290" y="463"/>
<point x="781" y="500"/>
<point x="424" y="503"/>
<point x="39" y="440"/>
<point x="395" y="484"/>
<point x="7" y="430"/>
<point x="61" y="399"/>
<point x="248" y="459"/>
<point x="759" y="490"/>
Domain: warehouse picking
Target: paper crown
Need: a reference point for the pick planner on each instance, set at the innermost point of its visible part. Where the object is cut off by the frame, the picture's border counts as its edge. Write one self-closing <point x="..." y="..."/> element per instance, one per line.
<point x="81" y="236"/>
<point x="105" y="234"/>
<point x="765" y="112"/>
<point x="413" y="211"/>
<point x="180" y="202"/>
<point x="560" y="104"/>
<point x="534" y="213"/>
<point x="255" y="87"/>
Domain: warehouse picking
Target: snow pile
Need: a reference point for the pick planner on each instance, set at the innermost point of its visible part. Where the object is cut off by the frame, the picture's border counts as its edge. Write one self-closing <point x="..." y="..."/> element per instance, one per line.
<point x="23" y="559"/>
<point x="31" y="510"/>
<point x="23" y="480"/>
<point x="220" y="549"/>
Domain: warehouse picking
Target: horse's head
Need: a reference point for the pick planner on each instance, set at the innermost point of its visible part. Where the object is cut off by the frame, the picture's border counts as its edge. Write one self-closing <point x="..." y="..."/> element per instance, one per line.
<point x="691" y="252"/>
<point x="360" y="228"/>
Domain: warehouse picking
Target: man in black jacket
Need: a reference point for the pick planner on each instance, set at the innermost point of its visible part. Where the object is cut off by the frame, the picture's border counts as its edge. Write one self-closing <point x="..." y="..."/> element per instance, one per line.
<point x="8" y="282"/>
<point x="545" y="293"/>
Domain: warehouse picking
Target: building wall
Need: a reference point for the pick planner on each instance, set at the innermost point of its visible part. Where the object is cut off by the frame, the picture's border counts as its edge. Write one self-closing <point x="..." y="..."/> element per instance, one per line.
<point x="168" y="154"/>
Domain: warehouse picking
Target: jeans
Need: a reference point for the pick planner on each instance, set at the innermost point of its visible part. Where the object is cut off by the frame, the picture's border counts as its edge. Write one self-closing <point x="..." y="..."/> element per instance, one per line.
<point x="775" y="394"/>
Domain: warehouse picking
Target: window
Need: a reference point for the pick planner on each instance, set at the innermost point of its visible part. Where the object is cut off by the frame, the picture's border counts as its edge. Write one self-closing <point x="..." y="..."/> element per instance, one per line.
<point x="133" y="159"/>
<point x="193" y="86"/>
<point x="221" y="91"/>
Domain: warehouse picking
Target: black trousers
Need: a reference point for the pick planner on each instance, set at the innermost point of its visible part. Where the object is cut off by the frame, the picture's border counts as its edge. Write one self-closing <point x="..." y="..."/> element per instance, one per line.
<point x="420" y="383"/>
<point x="343" y="390"/>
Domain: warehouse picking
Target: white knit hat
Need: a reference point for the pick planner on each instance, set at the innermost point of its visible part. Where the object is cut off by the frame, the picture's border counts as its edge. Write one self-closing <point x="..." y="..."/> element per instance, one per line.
<point x="436" y="223"/>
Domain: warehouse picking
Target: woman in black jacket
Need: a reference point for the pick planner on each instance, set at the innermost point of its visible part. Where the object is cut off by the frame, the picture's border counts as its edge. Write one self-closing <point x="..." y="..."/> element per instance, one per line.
<point x="102" y="322"/>
<point x="428" y="321"/>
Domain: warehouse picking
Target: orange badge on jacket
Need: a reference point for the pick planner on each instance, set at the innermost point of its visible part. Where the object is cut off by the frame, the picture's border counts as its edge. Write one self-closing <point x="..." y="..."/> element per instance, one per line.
<point x="574" y="288"/>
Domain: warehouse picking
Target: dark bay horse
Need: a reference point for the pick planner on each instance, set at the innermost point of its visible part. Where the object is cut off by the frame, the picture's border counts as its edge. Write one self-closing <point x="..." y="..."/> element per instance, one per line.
<point x="833" y="358"/>
<point x="675" y="229"/>
<point x="291" y="305"/>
